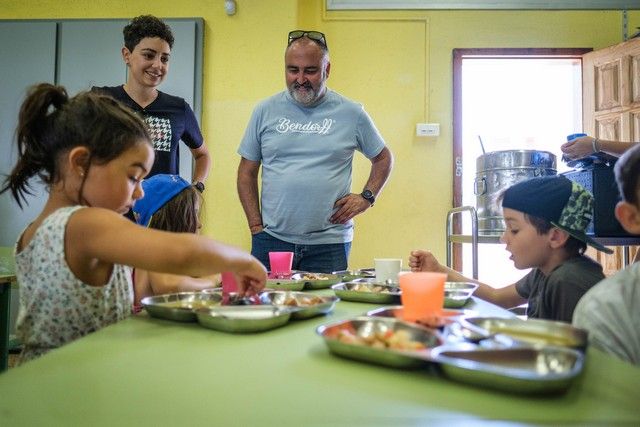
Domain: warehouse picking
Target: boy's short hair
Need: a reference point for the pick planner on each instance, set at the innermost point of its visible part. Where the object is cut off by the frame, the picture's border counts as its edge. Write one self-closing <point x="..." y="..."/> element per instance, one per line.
<point x="627" y="170"/>
<point x="542" y="226"/>
<point x="145" y="26"/>
<point x="565" y="204"/>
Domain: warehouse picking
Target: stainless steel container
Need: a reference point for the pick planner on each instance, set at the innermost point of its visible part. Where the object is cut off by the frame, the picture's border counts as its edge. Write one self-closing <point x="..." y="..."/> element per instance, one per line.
<point x="498" y="170"/>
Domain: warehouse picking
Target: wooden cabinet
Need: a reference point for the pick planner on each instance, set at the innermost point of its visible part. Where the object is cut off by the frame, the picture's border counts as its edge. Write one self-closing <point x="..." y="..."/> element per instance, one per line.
<point x="611" y="109"/>
<point x="611" y="92"/>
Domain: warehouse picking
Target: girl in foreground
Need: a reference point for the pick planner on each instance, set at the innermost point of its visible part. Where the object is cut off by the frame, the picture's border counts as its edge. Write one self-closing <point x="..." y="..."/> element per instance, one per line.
<point x="73" y="261"/>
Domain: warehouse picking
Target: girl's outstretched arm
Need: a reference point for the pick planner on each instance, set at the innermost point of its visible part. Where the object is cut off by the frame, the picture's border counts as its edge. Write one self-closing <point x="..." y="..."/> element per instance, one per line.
<point x="98" y="238"/>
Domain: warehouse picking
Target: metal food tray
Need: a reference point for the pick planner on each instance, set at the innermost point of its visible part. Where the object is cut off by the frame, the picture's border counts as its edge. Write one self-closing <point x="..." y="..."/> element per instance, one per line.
<point x="367" y="326"/>
<point x="232" y="298"/>
<point x="456" y="294"/>
<point x="310" y="283"/>
<point x="533" y="332"/>
<point x="349" y="275"/>
<point x="287" y="284"/>
<point x="248" y="318"/>
<point x="520" y="369"/>
<point x="345" y="292"/>
<point x="395" y="312"/>
<point x="278" y="298"/>
<point x="180" y="306"/>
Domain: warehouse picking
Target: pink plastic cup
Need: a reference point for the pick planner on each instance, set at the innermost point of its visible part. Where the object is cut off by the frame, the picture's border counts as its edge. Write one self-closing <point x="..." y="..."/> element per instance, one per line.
<point x="422" y="294"/>
<point x="280" y="263"/>
<point x="229" y="283"/>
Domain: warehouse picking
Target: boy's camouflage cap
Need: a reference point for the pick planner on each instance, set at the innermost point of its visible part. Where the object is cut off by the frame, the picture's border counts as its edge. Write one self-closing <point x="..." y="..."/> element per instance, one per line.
<point x="564" y="203"/>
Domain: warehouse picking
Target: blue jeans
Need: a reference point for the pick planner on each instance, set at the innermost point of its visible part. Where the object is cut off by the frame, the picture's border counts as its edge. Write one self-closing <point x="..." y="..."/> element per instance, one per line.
<point x="313" y="258"/>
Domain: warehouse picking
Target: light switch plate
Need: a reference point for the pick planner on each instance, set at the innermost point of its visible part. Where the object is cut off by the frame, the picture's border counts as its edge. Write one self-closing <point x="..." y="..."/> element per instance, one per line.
<point x="428" y="129"/>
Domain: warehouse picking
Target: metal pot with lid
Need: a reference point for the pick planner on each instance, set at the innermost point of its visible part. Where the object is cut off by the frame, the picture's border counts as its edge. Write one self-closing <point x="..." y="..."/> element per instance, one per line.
<point x="498" y="170"/>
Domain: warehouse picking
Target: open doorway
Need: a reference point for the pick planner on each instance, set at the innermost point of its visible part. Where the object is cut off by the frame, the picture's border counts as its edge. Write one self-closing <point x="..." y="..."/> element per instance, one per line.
<point x="508" y="99"/>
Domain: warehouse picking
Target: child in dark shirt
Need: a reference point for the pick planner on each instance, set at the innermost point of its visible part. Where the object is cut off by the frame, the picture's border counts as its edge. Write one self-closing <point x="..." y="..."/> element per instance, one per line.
<point x="545" y="219"/>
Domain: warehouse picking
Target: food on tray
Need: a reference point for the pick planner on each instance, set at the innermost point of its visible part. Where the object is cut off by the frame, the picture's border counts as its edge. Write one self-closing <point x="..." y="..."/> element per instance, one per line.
<point x="234" y="299"/>
<point x="397" y="340"/>
<point x="433" y="321"/>
<point x="189" y="305"/>
<point x="362" y="287"/>
<point x="303" y="301"/>
<point x="302" y="305"/>
<point x="313" y="276"/>
<point x="439" y="320"/>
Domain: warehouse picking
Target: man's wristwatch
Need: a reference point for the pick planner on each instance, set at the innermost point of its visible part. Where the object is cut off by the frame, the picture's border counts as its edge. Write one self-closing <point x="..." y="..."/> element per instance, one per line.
<point x="368" y="196"/>
<point x="199" y="186"/>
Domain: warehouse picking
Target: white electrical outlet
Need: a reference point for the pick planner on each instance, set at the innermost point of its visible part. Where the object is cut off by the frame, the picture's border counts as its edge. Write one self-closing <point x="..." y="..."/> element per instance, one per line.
<point x="428" y="129"/>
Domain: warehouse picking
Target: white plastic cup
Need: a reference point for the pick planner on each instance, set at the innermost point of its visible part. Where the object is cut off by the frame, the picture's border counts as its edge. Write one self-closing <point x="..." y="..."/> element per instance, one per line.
<point x="388" y="269"/>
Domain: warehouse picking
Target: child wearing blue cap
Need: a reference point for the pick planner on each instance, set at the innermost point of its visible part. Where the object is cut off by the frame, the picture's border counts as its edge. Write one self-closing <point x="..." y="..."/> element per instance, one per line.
<point x="609" y="311"/>
<point x="170" y="203"/>
<point x="545" y="220"/>
<point x="160" y="190"/>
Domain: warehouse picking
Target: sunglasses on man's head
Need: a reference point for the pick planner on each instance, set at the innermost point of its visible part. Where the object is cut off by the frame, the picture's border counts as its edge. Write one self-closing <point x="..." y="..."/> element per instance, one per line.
<point x="316" y="36"/>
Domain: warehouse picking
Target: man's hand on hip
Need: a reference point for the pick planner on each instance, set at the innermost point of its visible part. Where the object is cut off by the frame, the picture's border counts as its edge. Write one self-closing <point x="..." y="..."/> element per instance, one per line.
<point x="348" y="207"/>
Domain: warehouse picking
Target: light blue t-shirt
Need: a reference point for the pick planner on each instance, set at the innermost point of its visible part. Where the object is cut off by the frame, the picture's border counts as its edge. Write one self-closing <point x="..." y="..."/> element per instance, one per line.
<point x="306" y="155"/>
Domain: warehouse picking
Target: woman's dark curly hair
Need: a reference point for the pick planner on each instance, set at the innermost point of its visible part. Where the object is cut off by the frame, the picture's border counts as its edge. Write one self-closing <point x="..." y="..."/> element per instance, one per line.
<point x="144" y="26"/>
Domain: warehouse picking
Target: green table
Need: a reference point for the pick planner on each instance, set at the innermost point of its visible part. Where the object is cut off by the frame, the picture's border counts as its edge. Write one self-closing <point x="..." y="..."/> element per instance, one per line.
<point x="145" y="371"/>
<point x="7" y="277"/>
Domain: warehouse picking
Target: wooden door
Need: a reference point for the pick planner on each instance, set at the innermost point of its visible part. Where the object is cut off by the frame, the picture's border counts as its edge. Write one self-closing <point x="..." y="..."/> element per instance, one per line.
<point x="611" y="109"/>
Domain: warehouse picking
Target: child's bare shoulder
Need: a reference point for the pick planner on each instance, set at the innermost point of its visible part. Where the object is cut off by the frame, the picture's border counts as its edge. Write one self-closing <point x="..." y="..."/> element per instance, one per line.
<point x="95" y="220"/>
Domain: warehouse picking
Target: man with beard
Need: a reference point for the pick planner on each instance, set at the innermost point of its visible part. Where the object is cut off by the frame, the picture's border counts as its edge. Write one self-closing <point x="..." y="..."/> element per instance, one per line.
<point x="305" y="138"/>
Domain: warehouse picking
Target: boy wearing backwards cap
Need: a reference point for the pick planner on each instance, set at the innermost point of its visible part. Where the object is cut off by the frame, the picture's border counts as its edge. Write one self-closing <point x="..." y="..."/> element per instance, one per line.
<point x="609" y="311"/>
<point x="545" y="220"/>
<point x="171" y="204"/>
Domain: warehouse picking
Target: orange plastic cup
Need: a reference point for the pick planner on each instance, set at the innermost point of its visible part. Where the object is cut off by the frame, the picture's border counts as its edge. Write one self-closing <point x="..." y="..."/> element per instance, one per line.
<point x="422" y="294"/>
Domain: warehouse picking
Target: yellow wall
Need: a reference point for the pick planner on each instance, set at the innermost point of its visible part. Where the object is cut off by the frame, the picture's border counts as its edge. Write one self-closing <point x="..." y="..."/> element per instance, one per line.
<point x="397" y="63"/>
